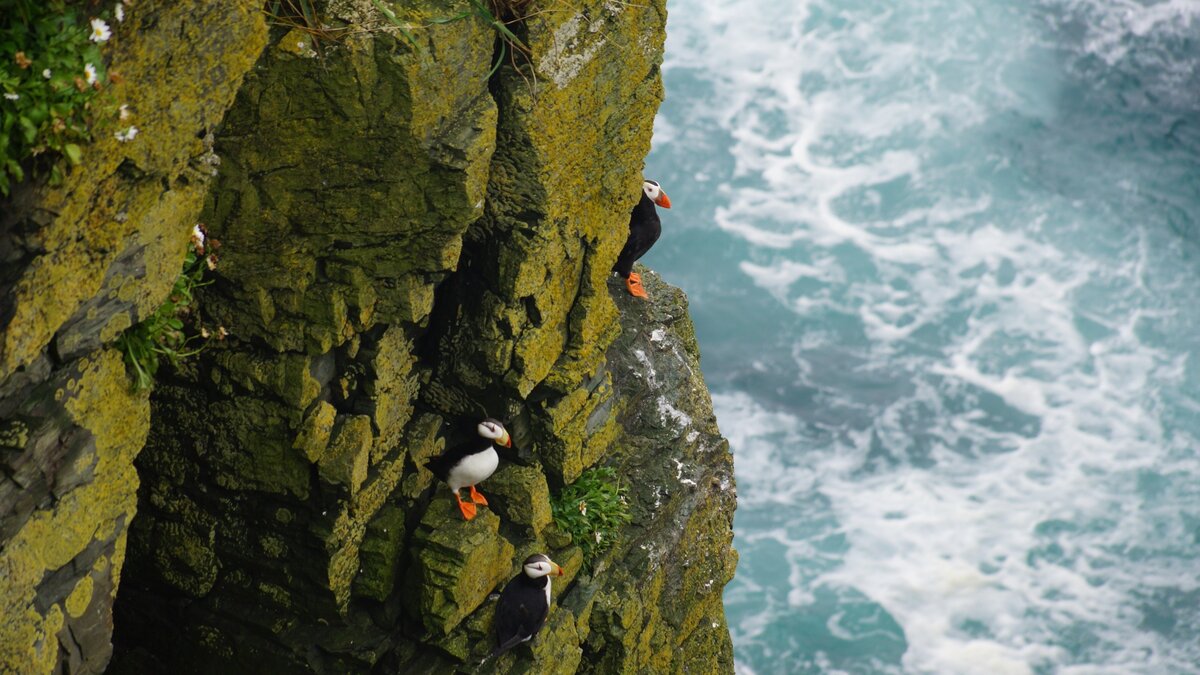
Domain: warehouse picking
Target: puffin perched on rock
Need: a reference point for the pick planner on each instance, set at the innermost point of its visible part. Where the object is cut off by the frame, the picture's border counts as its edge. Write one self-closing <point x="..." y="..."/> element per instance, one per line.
<point x="470" y="463"/>
<point x="644" y="228"/>
<point x="524" y="603"/>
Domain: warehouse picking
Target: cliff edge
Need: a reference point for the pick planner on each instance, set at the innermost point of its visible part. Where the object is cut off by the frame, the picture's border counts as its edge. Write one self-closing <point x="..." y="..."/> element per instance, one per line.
<point x="418" y="213"/>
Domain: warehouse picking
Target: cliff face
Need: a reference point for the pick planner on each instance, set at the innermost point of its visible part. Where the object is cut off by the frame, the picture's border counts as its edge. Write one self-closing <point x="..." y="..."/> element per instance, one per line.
<point x="410" y="241"/>
<point x="79" y="263"/>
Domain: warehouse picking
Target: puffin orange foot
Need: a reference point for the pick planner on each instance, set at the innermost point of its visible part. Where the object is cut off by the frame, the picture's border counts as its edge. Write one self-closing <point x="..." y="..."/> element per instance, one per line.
<point x="476" y="497"/>
<point x="634" y="283"/>
<point x="467" y="508"/>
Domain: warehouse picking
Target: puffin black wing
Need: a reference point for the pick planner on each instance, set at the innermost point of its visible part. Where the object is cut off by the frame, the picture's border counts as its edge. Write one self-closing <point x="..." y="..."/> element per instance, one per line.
<point x="441" y="465"/>
<point x="644" y="229"/>
<point x="520" y="613"/>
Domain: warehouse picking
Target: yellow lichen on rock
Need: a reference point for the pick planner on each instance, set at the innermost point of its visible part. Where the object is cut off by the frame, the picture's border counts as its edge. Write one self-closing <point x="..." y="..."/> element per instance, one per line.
<point x="100" y="215"/>
<point x="84" y="519"/>
<point x="456" y="563"/>
<point x="410" y="242"/>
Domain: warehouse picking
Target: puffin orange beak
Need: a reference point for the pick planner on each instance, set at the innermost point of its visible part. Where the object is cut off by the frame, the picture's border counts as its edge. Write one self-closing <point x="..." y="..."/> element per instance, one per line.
<point x="507" y="442"/>
<point x="557" y="570"/>
<point x="663" y="200"/>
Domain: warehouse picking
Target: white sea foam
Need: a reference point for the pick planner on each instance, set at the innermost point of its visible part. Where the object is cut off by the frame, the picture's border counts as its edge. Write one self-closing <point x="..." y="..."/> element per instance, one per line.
<point x="988" y="492"/>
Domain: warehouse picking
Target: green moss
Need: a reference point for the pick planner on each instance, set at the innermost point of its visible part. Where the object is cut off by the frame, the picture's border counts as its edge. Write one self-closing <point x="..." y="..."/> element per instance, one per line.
<point x="345" y="463"/>
<point x="315" y="432"/>
<point x="242" y="422"/>
<point x="380" y="554"/>
<point x="519" y="495"/>
<point x="376" y="296"/>
<point x="287" y="377"/>
<point x="350" y="526"/>
<point x="401" y="140"/>
<point x="392" y="388"/>
<point x="455" y="564"/>
<point x="424" y="443"/>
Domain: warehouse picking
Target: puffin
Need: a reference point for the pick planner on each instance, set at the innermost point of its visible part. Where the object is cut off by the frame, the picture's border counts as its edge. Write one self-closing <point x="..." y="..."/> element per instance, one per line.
<point x="524" y="603"/>
<point x="470" y="463"/>
<point x="644" y="228"/>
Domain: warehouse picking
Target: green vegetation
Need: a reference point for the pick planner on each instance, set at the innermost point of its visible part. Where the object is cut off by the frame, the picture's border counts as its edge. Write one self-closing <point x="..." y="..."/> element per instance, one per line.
<point x="592" y="510"/>
<point x="171" y="333"/>
<point x="51" y="69"/>
<point x="304" y="15"/>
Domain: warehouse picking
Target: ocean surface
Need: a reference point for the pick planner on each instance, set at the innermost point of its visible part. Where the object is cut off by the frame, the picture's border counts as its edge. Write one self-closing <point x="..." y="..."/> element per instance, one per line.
<point x="944" y="261"/>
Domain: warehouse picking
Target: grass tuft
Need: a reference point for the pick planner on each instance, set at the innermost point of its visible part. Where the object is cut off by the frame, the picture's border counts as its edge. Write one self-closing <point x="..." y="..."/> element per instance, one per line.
<point x="303" y="15"/>
<point x="174" y="332"/>
<point x="592" y="510"/>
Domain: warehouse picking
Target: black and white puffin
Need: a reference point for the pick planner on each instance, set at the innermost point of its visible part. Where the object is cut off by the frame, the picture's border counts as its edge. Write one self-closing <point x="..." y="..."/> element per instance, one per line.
<point x="524" y="603"/>
<point x="465" y="465"/>
<point x="644" y="228"/>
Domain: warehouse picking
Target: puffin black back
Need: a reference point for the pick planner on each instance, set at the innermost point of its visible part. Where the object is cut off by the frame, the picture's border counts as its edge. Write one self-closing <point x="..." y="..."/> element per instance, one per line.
<point x="468" y="463"/>
<point x="645" y="227"/>
<point x="524" y="603"/>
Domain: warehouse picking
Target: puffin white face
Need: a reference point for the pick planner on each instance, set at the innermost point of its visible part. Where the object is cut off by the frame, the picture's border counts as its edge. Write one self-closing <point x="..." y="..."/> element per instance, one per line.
<point x="655" y="193"/>
<point x="537" y="566"/>
<point x="493" y="429"/>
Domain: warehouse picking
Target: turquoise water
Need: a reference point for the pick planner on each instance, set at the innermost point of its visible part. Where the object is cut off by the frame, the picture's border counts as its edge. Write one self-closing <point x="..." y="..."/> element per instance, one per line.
<point x="944" y="259"/>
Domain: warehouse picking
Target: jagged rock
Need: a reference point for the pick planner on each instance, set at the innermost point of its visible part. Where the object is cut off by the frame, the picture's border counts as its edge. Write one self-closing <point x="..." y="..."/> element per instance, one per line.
<point x="519" y="494"/>
<point x="314" y="435"/>
<point x="380" y="551"/>
<point x="456" y="563"/>
<point x="345" y="462"/>
<point x="68" y="498"/>
<point x="81" y="262"/>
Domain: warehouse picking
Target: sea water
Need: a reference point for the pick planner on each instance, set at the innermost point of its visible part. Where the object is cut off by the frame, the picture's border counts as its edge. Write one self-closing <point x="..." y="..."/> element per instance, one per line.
<point x="944" y="261"/>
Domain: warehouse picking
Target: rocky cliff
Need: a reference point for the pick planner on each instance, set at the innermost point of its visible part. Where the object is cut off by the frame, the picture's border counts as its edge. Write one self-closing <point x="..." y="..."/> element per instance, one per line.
<point x="412" y="237"/>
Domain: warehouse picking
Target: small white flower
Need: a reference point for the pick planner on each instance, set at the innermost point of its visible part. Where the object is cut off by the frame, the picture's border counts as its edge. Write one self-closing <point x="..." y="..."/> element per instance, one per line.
<point x="90" y="71"/>
<point x="100" y="31"/>
<point x="300" y="46"/>
<point x="46" y="73"/>
<point x="12" y="97"/>
<point x="119" y="12"/>
<point x="123" y="112"/>
<point x="597" y="537"/>
<point x="126" y="135"/>
<point x="197" y="236"/>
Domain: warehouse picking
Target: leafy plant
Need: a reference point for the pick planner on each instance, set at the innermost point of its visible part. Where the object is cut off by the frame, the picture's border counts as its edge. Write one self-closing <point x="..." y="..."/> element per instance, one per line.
<point x="592" y="510"/>
<point x="51" y="69"/>
<point x="171" y="334"/>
